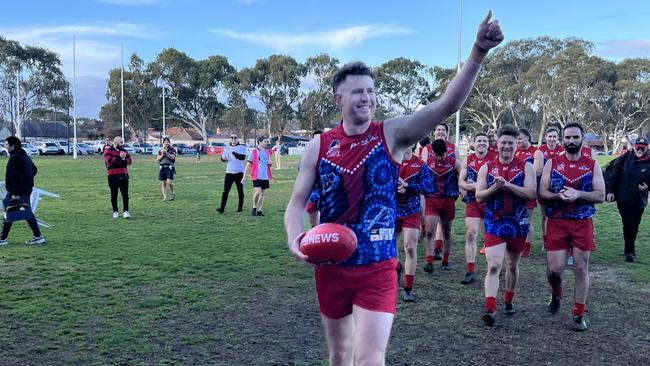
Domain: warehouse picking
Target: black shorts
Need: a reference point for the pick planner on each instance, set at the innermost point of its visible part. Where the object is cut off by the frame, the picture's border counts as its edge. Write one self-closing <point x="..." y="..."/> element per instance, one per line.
<point x="166" y="173"/>
<point x="261" y="183"/>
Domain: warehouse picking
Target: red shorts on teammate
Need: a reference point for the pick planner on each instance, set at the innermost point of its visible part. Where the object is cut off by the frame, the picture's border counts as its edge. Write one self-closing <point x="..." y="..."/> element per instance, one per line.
<point x="512" y="244"/>
<point x="475" y="209"/>
<point x="562" y="234"/>
<point x="410" y="221"/>
<point x="371" y="286"/>
<point x="445" y="208"/>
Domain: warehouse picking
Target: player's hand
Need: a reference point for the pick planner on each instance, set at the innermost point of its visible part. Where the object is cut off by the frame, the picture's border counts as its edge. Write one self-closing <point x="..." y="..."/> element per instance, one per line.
<point x="569" y="194"/>
<point x="610" y="197"/>
<point x="500" y="182"/>
<point x="489" y="33"/>
<point x="401" y="189"/>
<point x="123" y="154"/>
<point x="294" y="247"/>
<point x="643" y="187"/>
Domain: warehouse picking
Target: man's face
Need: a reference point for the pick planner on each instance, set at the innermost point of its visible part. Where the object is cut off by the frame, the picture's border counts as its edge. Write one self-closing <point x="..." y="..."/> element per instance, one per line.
<point x="506" y="146"/>
<point x="551" y="138"/>
<point x="572" y="140"/>
<point x="233" y="139"/>
<point x="10" y="148"/>
<point x="166" y="144"/>
<point x="441" y="157"/>
<point x="640" y="150"/>
<point x="481" y="144"/>
<point x="492" y="133"/>
<point x="117" y="142"/>
<point x="440" y="133"/>
<point x="356" y="98"/>
<point x="522" y="141"/>
<point x="264" y="144"/>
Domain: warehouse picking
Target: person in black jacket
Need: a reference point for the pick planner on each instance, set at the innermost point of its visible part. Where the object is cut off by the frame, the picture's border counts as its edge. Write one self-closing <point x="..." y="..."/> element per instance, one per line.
<point x="117" y="160"/>
<point x="19" y="183"/>
<point x="627" y="179"/>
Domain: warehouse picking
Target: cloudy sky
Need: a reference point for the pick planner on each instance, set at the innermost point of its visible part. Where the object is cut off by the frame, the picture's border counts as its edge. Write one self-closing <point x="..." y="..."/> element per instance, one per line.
<point x="245" y="30"/>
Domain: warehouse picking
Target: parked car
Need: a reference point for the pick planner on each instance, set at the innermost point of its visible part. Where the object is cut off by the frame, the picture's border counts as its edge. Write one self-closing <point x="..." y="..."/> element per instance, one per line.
<point x="183" y="149"/>
<point x="84" y="149"/>
<point x="129" y="149"/>
<point x="29" y="148"/>
<point x="100" y="145"/>
<point x="4" y="152"/>
<point x="142" y="148"/>
<point x="47" y="148"/>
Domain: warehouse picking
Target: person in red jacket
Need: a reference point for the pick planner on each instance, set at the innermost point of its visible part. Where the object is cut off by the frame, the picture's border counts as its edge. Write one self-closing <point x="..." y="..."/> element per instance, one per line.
<point x="117" y="160"/>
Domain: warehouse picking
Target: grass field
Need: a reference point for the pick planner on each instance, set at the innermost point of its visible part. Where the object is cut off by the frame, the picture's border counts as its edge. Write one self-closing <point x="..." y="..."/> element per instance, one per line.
<point x="180" y="284"/>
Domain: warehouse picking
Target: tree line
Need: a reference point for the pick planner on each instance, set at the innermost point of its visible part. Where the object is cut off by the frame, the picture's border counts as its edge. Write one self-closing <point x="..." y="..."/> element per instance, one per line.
<point x="532" y="83"/>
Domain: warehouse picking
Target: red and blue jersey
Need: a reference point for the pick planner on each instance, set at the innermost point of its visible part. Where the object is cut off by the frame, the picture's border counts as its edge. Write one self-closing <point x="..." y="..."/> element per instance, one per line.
<point x="526" y="155"/>
<point x="551" y="153"/>
<point x="420" y="181"/>
<point x="451" y="150"/>
<point x="445" y="177"/>
<point x="474" y="164"/>
<point x="357" y="181"/>
<point x="506" y="215"/>
<point x="586" y="152"/>
<point x="574" y="174"/>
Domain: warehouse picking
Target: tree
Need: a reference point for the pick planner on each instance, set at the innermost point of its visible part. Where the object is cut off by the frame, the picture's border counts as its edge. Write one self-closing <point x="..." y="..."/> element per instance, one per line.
<point x="275" y="82"/>
<point x="317" y="109"/>
<point x="34" y="75"/>
<point x="197" y="87"/>
<point x="238" y="115"/>
<point x="403" y="85"/>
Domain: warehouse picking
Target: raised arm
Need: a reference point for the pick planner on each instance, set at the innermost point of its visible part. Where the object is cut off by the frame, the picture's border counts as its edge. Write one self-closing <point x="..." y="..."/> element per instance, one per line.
<point x="293" y="217"/>
<point x="405" y="131"/>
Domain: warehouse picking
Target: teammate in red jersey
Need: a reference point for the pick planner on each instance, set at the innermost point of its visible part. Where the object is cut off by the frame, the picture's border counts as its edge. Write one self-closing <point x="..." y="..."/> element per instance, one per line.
<point x="530" y="154"/>
<point x="491" y="131"/>
<point x="474" y="211"/>
<point x="440" y="207"/>
<point x="441" y="132"/>
<point x="355" y="167"/>
<point x="571" y="184"/>
<point x="505" y="185"/>
<point x="550" y="149"/>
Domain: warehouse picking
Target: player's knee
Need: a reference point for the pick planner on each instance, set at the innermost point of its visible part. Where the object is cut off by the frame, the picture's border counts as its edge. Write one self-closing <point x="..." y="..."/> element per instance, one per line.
<point x="580" y="270"/>
<point x="471" y="234"/>
<point x="554" y="278"/>
<point x="341" y="356"/>
<point x="494" y="268"/>
<point x="370" y="357"/>
<point x="409" y="249"/>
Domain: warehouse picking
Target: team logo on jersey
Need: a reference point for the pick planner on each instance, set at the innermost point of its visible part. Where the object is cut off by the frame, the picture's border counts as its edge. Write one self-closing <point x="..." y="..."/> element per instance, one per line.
<point x="583" y="167"/>
<point x="334" y="150"/>
<point x="560" y="167"/>
<point x="364" y="142"/>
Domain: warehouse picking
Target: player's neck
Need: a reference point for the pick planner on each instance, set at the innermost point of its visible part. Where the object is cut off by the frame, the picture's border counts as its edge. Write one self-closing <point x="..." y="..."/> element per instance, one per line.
<point x="481" y="155"/>
<point x="355" y="128"/>
<point x="573" y="156"/>
<point x="551" y="147"/>
<point x="506" y="160"/>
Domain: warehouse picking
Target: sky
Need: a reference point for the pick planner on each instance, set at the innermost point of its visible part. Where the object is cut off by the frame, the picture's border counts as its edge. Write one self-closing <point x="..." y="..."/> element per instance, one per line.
<point x="247" y="30"/>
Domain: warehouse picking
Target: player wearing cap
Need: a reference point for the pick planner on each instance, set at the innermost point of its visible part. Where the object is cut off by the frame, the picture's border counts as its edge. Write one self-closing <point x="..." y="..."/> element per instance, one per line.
<point x="571" y="184"/>
<point x="504" y="184"/>
<point x="627" y="179"/>
<point x="474" y="211"/>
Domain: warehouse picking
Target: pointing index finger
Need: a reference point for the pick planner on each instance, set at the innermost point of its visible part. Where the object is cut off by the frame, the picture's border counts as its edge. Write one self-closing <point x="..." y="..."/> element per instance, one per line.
<point x="487" y="17"/>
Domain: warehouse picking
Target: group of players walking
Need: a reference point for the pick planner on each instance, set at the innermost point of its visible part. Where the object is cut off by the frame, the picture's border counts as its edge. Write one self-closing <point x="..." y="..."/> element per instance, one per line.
<point x="501" y="183"/>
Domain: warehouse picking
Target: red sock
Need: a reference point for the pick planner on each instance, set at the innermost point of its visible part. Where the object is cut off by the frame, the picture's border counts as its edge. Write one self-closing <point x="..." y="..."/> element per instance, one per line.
<point x="578" y="309"/>
<point x="445" y="257"/>
<point x="430" y="259"/>
<point x="556" y="291"/>
<point x="438" y="244"/>
<point x="470" y="267"/>
<point x="408" y="281"/>
<point x="491" y="304"/>
<point x="508" y="296"/>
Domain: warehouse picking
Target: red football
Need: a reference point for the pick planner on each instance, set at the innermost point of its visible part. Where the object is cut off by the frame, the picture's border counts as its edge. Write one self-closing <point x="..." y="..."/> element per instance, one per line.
<point x="328" y="243"/>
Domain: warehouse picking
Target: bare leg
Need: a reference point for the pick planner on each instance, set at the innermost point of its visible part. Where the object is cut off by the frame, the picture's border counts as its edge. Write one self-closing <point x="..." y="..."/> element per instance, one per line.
<point x="372" y="330"/>
<point x="340" y="339"/>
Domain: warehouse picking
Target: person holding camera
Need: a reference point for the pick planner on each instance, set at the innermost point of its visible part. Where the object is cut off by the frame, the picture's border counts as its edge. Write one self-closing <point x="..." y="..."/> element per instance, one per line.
<point x="627" y="179"/>
<point x="233" y="155"/>
<point x="166" y="158"/>
<point x="117" y="160"/>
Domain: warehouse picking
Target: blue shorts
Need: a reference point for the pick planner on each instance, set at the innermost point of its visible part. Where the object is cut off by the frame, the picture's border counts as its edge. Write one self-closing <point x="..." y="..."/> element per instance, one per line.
<point x="166" y="173"/>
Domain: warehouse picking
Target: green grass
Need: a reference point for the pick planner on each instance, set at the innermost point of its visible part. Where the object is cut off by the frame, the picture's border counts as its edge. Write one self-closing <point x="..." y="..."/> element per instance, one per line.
<point x="105" y="289"/>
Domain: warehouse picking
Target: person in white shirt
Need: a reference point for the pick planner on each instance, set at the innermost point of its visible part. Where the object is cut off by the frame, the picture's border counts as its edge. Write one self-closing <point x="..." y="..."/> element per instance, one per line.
<point x="234" y="155"/>
<point x="277" y="153"/>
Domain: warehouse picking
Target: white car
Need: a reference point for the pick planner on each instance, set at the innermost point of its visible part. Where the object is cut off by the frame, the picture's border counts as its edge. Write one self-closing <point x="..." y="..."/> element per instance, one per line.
<point x="85" y="149"/>
<point x="4" y="152"/>
<point x="129" y="149"/>
<point x="31" y="150"/>
<point x="47" y="148"/>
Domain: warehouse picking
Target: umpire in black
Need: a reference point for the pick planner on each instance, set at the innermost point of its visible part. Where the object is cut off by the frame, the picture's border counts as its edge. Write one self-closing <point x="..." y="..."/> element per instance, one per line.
<point x="627" y="179"/>
<point x="19" y="183"/>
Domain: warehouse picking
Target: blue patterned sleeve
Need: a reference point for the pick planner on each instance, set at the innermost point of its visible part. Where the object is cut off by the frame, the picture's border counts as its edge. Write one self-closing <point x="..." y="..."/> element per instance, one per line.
<point x="421" y="182"/>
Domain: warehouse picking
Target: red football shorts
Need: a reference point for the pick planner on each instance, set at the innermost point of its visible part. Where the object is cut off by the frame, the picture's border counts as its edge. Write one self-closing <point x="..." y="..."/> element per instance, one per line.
<point x="531" y="204"/>
<point x="515" y="244"/>
<point x="371" y="286"/>
<point x="445" y="208"/>
<point x="410" y="221"/>
<point x="562" y="234"/>
<point x="475" y="209"/>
